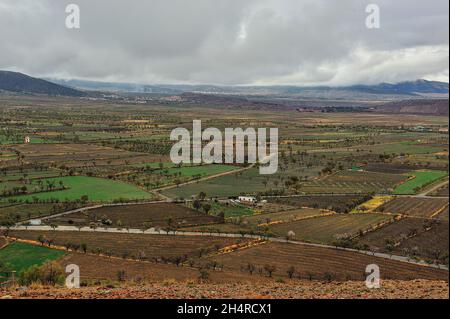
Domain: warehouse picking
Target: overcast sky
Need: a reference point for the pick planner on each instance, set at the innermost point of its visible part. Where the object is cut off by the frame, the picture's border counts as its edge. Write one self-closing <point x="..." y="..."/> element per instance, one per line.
<point x="300" y="42"/>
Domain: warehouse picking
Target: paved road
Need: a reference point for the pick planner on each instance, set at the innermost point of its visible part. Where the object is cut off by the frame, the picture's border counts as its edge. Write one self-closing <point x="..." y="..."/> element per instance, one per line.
<point x="352" y="194"/>
<point x="152" y="231"/>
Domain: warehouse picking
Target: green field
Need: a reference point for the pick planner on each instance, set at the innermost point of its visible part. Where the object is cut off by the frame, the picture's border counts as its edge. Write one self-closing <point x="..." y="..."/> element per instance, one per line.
<point x="20" y="256"/>
<point x="246" y="182"/>
<point x="420" y="180"/>
<point x="249" y="182"/>
<point x="203" y="170"/>
<point x="406" y="147"/>
<point x="97" y="190"/>
<point x="231" y="210"/>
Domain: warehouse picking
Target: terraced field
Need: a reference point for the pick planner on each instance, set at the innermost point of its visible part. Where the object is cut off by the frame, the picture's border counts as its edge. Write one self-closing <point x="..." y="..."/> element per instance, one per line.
<point x="134" y="216"/>
<point x="354" y="182"/>
<point x="259" y="223"/>
<point x="133" y="245"/>
<point x="337" y="203"/>
<point x="19" y="212"/>
<point x="320" y="263"/>
<point x="96" y="268"/>
<point x="411" y="236"/>
<point x="328" y="229"/>
<point x="417" y="207"/>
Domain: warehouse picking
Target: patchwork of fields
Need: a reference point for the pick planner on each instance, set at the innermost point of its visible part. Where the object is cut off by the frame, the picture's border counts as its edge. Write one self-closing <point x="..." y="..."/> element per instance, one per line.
<point x="366" y="181"/>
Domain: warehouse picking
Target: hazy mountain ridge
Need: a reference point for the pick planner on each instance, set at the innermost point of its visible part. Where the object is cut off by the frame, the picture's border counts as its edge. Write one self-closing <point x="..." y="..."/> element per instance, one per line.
<point x="21" y="83"/>
<point x="435" y="107"/>
<point x="409" y="88"/>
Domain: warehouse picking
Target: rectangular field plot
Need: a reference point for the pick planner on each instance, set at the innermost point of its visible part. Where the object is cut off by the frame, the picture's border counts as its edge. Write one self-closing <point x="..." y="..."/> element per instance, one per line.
<point x="418" y="180"/>
<point x="354" y="182"/>
<point x="431" y="244"/>
<point x="134" y="216"/>
<point x="104" y="268"/>
<point x="21" y="256"/>
<point x="329" y="228"/>
<point x="97" y="189"/>
<point x="285" y="216"/>
<point x="418" y="207"/>
<point x="337" y="203"/>
<point x="319" y="263"/>
<point x="19" y="212"/>
<point x="133" y="245"/>
<point x="247" y="182"/>
<point x="24" y="174"/>
<point x="173" y="175"/>
<point x="406" y="148"/>
<point x="411" y="237"/>
<point x="60" y="153"/>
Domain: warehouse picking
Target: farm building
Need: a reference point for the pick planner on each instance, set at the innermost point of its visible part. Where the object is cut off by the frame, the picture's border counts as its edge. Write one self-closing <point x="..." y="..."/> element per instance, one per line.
<point x="248" y="199"/>
<point x="35" y="222"/>
<point x="27" y="140"/>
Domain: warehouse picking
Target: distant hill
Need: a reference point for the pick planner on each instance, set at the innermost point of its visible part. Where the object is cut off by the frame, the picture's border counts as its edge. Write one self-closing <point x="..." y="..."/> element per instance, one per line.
<point x="383" y="91"/>
<point x="21" y="83"/>
<point x="432" y="107"/>
<point x="410" y="87"/>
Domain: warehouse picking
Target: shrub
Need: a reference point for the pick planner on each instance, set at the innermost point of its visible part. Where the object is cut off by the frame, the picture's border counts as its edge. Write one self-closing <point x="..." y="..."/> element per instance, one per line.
<point x="50" y="274"/>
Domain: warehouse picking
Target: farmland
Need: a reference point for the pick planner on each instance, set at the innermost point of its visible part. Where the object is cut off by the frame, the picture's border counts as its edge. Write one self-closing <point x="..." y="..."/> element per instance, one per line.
<point x="310" y="262"/>
<point x="136" y="216"/>
<point x="344" y="179"/>
<point x="19" y="212"/>
<point x="354" y="182"/>
<point x="151" y="247"/>
<point x="337" y="203"/>
<point x="96" y="190"/>
<point x="419" y="180"/>
<point x="419" y="207"/>
<point x="330" y="228"/>
<point x="19" y="256"/>
<point x="412" y="237"/>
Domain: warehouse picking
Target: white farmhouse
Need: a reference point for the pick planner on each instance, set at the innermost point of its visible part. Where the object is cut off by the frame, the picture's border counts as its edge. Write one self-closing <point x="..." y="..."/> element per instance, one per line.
<point x="35" y="222"/>
<point x="247" y="199"/>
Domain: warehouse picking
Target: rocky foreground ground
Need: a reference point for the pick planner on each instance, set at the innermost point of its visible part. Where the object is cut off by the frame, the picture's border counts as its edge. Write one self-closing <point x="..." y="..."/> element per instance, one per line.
<point x="300" y="290"/>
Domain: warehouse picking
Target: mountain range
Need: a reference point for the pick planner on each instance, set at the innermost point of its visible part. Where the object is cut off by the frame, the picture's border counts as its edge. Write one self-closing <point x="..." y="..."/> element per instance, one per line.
<point x="24" y="84"/>
<point x="20" y="83"/>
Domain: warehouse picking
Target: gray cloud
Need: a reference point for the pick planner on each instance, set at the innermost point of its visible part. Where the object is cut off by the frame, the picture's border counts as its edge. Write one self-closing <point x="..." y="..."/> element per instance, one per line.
<point x="303" y="42"/>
